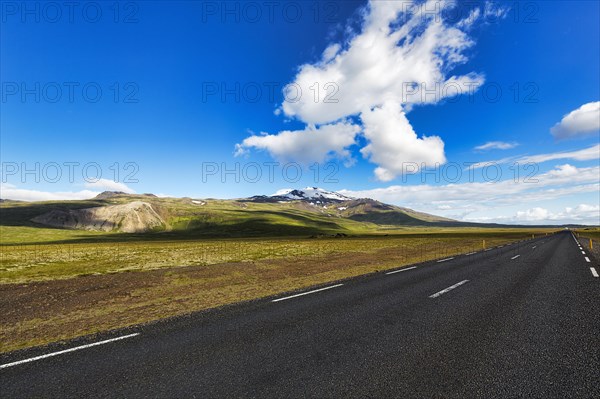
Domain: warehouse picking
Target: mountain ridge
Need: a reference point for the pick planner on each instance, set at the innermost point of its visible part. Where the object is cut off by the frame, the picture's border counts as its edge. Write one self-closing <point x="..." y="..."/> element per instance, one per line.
<point x="308" y="211"/>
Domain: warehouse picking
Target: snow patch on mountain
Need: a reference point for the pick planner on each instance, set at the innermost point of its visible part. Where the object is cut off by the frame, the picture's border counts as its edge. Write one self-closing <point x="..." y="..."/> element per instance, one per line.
<point x="311" y="193"/>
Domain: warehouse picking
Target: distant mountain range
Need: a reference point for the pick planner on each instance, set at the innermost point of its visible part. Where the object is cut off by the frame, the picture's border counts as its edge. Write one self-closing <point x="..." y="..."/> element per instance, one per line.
<point x="311" y="210"/>
<point x="359" y="209"/>
<point x="311" y="194"/>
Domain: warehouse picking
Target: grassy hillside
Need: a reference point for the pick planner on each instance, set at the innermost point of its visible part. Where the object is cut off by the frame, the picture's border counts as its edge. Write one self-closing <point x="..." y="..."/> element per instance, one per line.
<point x="188" y="219"/>
<point x="184" y="220"/>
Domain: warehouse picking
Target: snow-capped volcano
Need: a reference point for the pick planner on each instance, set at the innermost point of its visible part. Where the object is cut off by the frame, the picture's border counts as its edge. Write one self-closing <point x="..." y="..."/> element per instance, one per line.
<point x="310" y="194"/>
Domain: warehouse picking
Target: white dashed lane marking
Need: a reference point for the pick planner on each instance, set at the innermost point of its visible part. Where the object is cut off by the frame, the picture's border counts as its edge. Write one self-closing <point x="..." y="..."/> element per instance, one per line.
<point x="33" y="359"/>
<point x="402" y="270"/>
<point x="445" y="290"/>
<point x="306" y="293"/>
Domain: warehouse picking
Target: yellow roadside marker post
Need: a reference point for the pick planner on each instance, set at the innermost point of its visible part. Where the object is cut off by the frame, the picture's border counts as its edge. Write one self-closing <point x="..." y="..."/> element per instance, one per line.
<point x="591" y="244"/>
<point x="483" y="244"/>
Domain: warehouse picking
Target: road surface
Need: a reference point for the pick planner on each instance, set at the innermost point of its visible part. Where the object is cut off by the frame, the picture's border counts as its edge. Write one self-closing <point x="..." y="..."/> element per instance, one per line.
<point x="516" y="321"/>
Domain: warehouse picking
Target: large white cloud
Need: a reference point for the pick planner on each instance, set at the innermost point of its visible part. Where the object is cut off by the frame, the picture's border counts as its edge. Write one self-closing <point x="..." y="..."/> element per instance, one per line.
<point x="312" y="144"/>
<point x="581" y="122"/>
<point x="393" y="143"/>
<point x="401" y="57"/>
<point x="384" y="64"/>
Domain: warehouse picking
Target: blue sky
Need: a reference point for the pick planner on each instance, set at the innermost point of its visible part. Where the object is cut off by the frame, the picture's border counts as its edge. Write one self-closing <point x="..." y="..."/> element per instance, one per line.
<point x="169" y="74"/>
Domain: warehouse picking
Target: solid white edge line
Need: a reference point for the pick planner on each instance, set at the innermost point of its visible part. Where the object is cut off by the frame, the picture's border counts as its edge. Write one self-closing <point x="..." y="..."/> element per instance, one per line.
<point x="515" y="257"/>
<point x="448" y="289"/>
<point x="444" y="260"/>
<point x="587" y="259"/>
<point x="32" y="359"/>
<point x="470" y="253"/>
<point x="594" y="272"/>
<point x="402" y="270"/>
<point x="306" y="293"/>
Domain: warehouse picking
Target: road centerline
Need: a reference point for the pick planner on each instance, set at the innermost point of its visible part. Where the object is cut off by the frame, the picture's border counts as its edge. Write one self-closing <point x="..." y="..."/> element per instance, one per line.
<point x="594" y="272"/>
<point x="515" y="257"/>
<point x="445" y="290"/>
<point x="306" y="293"/>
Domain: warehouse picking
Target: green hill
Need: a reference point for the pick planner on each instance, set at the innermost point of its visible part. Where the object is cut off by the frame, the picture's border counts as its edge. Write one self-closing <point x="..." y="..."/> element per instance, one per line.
<point x="135" y="216"/>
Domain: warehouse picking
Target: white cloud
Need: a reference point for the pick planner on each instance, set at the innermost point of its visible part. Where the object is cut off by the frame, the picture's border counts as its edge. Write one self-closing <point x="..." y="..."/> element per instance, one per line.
<point x="330" y="52"/>
<point x="393" y="142"/>
<point x="460" y="200"/>
<point x="584" y="208"/>
<point x="479" y="165"/>
<point x="313" y="144"/>
<point x="581" y="214"/>
<point x="581" y="122"/>
<point x="496" y="145"/>
<point x="586" y="154"/>
<point x="10" y="191"/>
<point x="110" y="185"/>
<point x="564" y="171"/>
<point x="470" y="20"/>
<point x="402" y="52"/>
<point x="374" y="68"/>
<point x="493" y="11"/>
<point x="534" y="214"/>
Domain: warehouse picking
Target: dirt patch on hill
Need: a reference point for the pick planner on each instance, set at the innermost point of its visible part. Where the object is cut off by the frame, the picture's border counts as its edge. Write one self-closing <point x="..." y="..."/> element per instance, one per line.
<point x="134" y="217"/>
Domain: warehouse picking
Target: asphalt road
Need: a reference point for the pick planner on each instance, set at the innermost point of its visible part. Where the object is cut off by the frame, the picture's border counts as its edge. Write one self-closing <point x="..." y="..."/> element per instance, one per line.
<point x="517" y="321"/>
